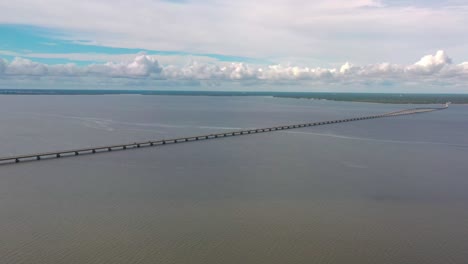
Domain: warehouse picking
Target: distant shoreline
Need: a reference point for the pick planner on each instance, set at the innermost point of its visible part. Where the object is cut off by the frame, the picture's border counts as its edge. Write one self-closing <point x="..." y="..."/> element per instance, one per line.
<point x="382" y="98"/>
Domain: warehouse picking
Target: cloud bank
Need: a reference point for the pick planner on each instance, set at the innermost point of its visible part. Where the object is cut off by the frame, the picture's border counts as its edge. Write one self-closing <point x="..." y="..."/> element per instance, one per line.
<point x="435" y="67"/>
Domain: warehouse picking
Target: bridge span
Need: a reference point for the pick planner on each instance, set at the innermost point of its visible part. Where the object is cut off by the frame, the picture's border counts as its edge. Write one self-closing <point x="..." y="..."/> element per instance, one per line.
<point x="136" y="145"/>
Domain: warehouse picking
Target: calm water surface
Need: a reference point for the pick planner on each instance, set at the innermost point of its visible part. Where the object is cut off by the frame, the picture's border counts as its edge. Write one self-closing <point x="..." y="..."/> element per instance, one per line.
<point x="388" y="190"/>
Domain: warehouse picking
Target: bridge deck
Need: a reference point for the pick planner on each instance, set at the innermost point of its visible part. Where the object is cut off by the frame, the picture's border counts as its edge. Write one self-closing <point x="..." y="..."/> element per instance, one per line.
<point x="100" y="149"/>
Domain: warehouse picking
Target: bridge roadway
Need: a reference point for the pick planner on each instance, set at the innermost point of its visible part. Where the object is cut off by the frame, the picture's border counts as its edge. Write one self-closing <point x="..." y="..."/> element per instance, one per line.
<point x="101" y="149"/>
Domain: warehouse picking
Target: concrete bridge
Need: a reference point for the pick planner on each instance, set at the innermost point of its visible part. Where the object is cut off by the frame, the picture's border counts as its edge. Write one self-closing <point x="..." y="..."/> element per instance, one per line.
<point x="101" y="149"/>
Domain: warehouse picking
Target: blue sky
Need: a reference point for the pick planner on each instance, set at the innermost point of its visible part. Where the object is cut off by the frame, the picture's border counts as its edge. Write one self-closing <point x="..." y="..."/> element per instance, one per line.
<point x="28" y="40"/>
<point x="352" y="45"/>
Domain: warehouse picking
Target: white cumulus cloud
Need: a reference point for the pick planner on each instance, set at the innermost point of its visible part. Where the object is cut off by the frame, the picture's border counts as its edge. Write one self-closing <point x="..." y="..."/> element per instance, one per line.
<point x="431" y="63"/>
<point x="20" y="66"/>
<point x="2" y="66"/>
<point x="141" y="66"/>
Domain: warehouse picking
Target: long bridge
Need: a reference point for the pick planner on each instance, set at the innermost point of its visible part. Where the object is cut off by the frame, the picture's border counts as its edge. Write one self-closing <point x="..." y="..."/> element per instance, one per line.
<point x="109" y="148"/>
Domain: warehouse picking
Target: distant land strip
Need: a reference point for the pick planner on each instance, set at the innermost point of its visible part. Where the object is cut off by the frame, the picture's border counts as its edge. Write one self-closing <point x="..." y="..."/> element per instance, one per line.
<point x="109" y="148"/>
<point x="386" y="98"/>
